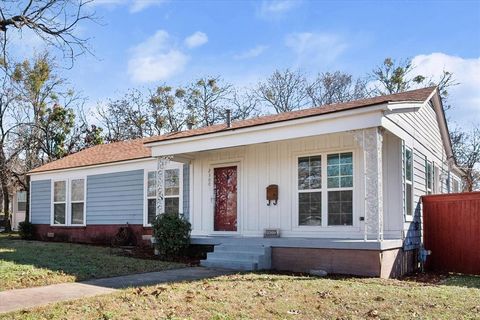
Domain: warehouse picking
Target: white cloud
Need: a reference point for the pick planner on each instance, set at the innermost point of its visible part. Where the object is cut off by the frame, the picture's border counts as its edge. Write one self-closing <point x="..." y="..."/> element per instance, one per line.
<point x="251" y="53"/>
<point x="196" y="39"/>
<point x="277" y="8"/>
<point x="155" y="59"/>
<point x="465" y="97"/>
<point x="134" y="5"/>
<point x="139" y="5"/>
<point x="313" y="49"/>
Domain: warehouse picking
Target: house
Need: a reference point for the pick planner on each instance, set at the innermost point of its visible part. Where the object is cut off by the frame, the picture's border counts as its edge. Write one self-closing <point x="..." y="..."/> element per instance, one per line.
<point x="335" y="187"/>
<point x="19" y="205"/>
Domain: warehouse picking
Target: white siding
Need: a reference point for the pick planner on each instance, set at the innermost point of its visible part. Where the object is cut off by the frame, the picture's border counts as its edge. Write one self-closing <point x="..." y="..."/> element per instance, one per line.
<point x="392" y="186"/>
<point x="272" y="163"/>
<point x="420" y="131"/>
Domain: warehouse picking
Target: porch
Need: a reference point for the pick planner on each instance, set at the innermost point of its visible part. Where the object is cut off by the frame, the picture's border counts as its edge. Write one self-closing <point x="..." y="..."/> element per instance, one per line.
<point x="299" y="242"/>
<point x="329" y="190"/>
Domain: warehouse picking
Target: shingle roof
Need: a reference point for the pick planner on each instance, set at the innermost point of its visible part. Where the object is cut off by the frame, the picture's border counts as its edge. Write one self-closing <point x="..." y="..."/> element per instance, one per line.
<point x="136" y="149"/>
<point x="101" y="154"/>
<point x="419" y="95"/>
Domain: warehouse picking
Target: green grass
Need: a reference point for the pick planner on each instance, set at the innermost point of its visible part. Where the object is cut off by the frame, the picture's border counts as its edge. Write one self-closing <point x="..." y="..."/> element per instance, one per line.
<point x="34" y="263"/>
<point x="463" y="281"/>
<point x="265" y="296"/>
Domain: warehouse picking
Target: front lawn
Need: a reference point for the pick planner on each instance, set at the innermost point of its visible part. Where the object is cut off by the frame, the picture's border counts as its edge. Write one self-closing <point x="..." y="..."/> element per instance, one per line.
<point x="265" y="296"/>
<point x="34" y="263"/>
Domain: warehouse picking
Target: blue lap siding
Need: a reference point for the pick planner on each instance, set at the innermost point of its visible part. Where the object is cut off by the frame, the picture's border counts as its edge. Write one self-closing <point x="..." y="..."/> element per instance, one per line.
<point x="40" y="201"/>
<point x="112" y="198"/>
<point x="115" y="198"/>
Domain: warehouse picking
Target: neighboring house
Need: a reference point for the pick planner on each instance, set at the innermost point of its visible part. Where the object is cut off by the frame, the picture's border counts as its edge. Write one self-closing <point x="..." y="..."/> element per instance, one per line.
<point x="17" y="209"/>
<point x="19" y="205"/>
<point x="344" y="183"/>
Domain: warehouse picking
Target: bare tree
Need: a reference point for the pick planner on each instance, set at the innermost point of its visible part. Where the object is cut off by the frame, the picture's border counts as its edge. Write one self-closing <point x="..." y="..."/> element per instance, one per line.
<point x="284" y="91"/>
<point x="54" y="21"/>
<point x="336" y="87"/>
<point x="245" y="105"/>
<point x="466" y="147"/>
<point x="207" y="98"/>
<point x="167" y="109"/>
<point x="396" y="76"/>
<point x="10" y="146"/>
<point x="126" y="118"/>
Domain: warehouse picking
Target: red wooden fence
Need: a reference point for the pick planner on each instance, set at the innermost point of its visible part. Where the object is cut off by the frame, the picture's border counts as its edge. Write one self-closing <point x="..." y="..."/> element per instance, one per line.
<point x="451" y="224"/>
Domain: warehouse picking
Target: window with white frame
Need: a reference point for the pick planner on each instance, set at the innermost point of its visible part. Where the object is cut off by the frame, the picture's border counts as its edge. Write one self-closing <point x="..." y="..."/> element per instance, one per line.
<point x="77" y="201"/>
<point x="171" y="193"/>
<point x="309" y="191"/>
<point x="456" y="186"/>
<point x="68" y="207"/>
<point x="436" y="179"/>
<point x="21" y="201"/>
<point x="60" y="202"/>
<point x="428" y="177"/>
<point x="408" y="180"/>
<point x="340" y="189"/>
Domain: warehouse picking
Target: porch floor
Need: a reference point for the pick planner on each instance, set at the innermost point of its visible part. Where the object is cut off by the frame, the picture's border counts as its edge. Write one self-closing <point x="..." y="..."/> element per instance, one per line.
<point x="319" y="243"/>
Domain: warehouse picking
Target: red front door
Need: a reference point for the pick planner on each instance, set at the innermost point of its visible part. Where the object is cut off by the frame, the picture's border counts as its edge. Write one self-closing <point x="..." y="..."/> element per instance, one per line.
<point x="225" y="192"/>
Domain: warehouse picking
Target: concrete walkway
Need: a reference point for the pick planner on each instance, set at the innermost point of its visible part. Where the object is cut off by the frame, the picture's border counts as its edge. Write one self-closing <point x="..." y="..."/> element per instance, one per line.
<point x="19" y="299"/>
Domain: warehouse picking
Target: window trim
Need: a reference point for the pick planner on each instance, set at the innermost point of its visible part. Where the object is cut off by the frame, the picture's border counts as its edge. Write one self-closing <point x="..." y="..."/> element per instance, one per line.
<point x="427" y="180"/>
<point x="171" y="165"/>
<point x="324" y="190"/>
<point x="84" y="201"/>
<point x="17" y="202"/>
<point x="321" y="190"/>
<point x="68" y="202"/>
<point x="408" y="217"/>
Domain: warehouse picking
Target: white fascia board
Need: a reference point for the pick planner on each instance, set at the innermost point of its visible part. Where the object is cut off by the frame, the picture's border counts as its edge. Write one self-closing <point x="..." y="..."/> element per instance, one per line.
<point x="316" y="125"/>
<point x="403" y="107"/>
<point x="146" y="163"/>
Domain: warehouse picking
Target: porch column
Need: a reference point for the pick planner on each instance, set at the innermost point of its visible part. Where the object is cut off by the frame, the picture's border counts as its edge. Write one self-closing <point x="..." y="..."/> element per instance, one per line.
<point x="162" y="162"/>
<point x="371" y="141"/>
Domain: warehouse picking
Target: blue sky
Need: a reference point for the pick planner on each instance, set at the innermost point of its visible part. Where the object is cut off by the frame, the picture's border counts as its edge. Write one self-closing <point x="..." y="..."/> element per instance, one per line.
<point x="141" y="44"/>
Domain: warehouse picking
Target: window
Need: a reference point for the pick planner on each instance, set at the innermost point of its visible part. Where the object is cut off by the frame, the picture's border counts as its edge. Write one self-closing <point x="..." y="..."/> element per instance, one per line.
<point x="340" y="189"/>
<point x="69" y="202"/>
<point x="171" y="193"/>
<point x="77" y="201"/>
<point x="309" y="193"/>
<point x="456" y="186"/>
<point x="59" y="202"/>
<point x="22" y="201"/>
<point x="428" y="177"/>
<point x="408" y="178"/>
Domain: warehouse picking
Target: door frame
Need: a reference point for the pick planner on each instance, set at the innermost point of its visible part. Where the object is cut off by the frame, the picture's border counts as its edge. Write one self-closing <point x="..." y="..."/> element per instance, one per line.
<point x="211" y="187"/>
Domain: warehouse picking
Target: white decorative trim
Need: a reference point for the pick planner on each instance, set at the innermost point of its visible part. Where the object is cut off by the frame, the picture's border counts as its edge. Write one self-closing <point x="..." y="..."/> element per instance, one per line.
<point x="371" y="141"/>
<point x="162" y="162"/>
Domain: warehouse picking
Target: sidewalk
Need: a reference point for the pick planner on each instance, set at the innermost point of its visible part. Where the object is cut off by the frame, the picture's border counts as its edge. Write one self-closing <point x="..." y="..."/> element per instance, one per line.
<point x="19" y="299"/>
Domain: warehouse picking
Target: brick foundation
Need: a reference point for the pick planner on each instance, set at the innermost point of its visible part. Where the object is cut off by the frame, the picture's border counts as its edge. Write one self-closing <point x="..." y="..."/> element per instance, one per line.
<point x="373" y="263"/>
<point x="92" y="234"/>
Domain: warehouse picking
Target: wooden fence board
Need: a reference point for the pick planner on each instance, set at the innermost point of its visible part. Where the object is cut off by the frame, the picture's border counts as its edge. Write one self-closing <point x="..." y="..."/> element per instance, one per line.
<point x="452" y="232"/>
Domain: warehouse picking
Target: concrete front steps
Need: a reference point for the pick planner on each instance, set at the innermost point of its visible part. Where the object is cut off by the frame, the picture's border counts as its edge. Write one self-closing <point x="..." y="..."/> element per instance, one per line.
<point x="239" y="257"/>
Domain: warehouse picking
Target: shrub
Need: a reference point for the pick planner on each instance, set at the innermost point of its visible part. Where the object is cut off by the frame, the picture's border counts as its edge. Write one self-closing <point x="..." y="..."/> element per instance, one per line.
<point x="26" y="230"/>
<point x="172" y="235"/>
